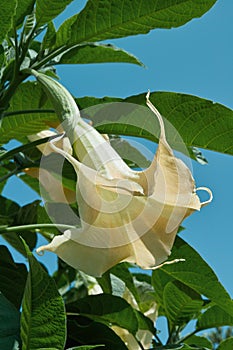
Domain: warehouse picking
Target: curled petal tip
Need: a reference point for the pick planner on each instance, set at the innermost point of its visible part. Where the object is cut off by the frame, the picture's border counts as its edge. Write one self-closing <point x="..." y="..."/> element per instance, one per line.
<point x="206" y="189"/>
<point x="40" y="251"/>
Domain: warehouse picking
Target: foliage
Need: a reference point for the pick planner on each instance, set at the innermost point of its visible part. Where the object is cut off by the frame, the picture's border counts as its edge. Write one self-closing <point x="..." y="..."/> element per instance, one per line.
<point x="71" y="310"/>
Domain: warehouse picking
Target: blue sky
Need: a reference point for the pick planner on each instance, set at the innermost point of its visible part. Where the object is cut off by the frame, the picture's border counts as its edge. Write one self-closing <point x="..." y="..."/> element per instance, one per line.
<point x="196" y="59"/>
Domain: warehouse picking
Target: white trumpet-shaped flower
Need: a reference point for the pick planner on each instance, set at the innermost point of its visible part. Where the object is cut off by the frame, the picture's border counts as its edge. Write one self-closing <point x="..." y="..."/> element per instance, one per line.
<point x="125" y="215"/>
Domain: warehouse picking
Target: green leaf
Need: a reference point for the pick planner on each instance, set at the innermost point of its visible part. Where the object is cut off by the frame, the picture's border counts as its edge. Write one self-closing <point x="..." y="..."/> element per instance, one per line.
<point x="199" y="341"/>
<point x="13" y="277"/>
<point x="199" y="122"/>
<point x="196" y="274"/>
<point x="145" y="292"/>
<point x="144" y="322"/>
<point x="89" y="101"/>
<point x="27" y="97"/>
<point x="95" y="53"/>
<point x="214" y="317"/>
<point x="181" y="304"/>
<point x="43" y="316"/>
<point x="24" y="8"/>
<point x="63" y="277"/>
<point x="9" y="325"/>
<point x="105" y="282"/>
<point x="8" y="210"/>
<point x="226" y="344"/>
<point x="105" y="19"/>
<point x="24" y="216"/>
<point x="50" y="36"/>
<point x="121" y="271"/>
<point x="7" y="10"/>
<point x="46" y="10"/>
<point x="81" y="328"/>
<point x="159" y="281"/>
<point x="108" y="309"/>
<point x="129" y="152"/>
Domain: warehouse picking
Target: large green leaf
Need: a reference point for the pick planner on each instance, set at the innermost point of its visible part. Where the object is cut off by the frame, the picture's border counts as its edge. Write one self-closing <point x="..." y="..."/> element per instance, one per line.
<point x="7" y="11"/>
<point x="43" y="315"/>
<point x="95" y="53"/>
<point x="105" y="19"/>
<point x="199" y="122"/>
<point x="24" y="8"/>
<point x="196" y="121"/>
<point x="29" y="96"/>
<point x="46" y="10"/>
<point x="214" y="317"/>
<point x="196" y="274"/>
<point x="108" y="309"/>
<point x="13" y="277"/>
<point x="9" y="325"/>
<point x="180" y="303"/>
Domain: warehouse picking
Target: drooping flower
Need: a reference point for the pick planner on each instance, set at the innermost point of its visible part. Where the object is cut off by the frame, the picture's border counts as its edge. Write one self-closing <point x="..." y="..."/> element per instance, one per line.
<point x="125" y="215"/>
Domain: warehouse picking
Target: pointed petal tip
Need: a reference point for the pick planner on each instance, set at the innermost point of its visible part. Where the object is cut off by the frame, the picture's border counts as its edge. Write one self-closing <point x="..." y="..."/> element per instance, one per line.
<point x="169" y="263"/>
<point x="148" y="95"/>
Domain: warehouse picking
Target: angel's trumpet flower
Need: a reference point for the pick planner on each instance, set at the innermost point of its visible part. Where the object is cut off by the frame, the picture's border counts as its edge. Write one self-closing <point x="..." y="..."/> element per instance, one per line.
<point x="125" y="215"/>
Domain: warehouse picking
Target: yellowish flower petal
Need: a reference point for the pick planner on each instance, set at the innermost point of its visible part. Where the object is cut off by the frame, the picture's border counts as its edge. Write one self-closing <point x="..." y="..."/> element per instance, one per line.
<point x="53" y="187"/>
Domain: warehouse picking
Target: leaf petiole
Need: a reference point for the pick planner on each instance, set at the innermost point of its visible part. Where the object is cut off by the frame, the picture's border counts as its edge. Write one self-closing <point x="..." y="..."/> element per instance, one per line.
<point x="4" y="229"/>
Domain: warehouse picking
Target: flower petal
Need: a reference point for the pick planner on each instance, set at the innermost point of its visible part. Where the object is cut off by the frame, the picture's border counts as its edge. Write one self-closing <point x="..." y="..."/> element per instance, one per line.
<point x="45" y="148"/>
